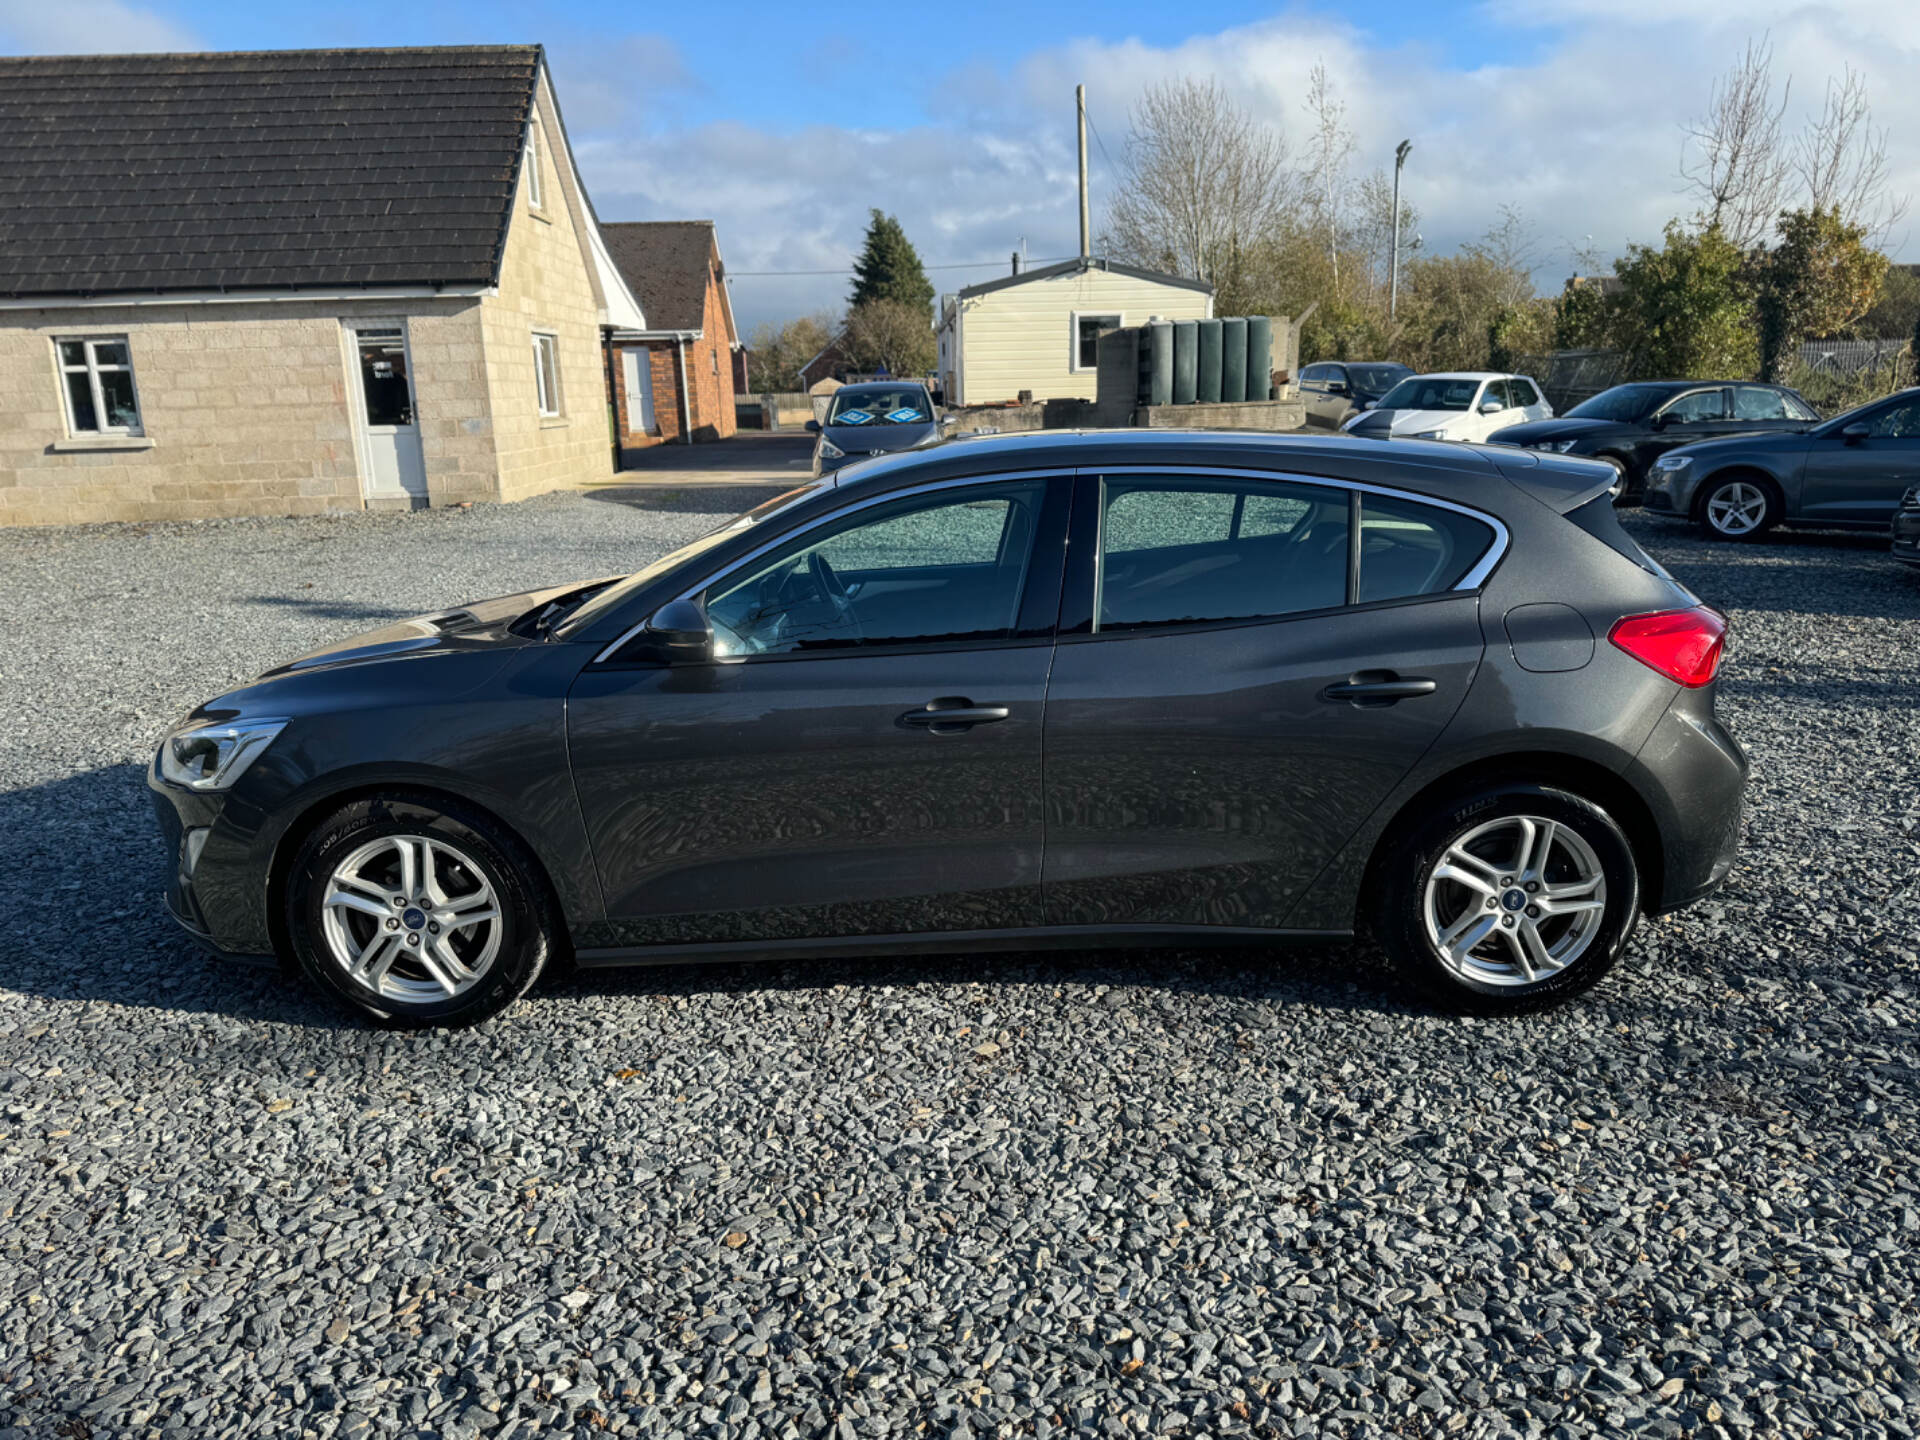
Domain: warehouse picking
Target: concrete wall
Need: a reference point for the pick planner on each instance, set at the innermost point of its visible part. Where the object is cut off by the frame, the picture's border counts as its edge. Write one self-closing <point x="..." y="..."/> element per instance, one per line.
<point x="1023" y="337"/>
<point x="545" y="285"/>
<point x="245" y="409"/>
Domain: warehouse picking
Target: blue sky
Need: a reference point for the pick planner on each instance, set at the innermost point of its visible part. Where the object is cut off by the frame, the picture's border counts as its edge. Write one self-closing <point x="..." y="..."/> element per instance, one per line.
<point x="786" y="123"/>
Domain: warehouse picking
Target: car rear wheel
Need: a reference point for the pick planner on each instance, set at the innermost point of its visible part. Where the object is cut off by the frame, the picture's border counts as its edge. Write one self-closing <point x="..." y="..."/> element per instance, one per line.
<point x="1616" y="492"/>
<point x="1738" y="507"/>
<point x="418" y="911"/>
<point x="1508" y="899"/>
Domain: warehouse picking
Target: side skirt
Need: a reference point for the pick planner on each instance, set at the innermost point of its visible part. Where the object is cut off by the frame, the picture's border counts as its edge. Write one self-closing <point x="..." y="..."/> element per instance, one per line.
<point x="1041" y="937"/>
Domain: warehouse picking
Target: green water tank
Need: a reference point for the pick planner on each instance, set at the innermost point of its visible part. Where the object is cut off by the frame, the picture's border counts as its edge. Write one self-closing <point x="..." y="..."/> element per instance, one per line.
<point x="1233" y="361"/>
<point x="1206" y="389"/>
<point x="1259" y="357"/>
<point x="1186" y="358"/>
<point x="1160" y="379"/>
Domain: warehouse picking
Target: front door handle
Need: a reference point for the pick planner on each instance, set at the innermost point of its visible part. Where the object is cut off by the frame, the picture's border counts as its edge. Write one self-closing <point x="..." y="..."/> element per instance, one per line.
<point x="953" y="715"/>
<point x="1370" y="688"/>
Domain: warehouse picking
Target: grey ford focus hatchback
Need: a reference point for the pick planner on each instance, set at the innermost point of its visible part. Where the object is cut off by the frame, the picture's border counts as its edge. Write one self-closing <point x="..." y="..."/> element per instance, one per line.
<point x="1011" y="692"/>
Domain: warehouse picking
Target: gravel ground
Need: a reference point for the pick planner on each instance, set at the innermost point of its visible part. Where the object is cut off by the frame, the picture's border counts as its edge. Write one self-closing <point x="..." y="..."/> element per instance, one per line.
<point x="1126" y="1194"/>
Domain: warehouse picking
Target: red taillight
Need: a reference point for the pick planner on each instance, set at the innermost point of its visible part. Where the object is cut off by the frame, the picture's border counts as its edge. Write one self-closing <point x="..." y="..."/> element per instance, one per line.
<point x="1683" y="645"/>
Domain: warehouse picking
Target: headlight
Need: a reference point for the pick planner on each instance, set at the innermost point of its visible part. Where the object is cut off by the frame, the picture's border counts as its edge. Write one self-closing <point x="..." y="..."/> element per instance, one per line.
<point x="1673" y="464"/>
<point x="1559" y="447"/>
<point x="211" y="756"/>
<point x="1431" y="435"/>
<point x="830" y="451"/>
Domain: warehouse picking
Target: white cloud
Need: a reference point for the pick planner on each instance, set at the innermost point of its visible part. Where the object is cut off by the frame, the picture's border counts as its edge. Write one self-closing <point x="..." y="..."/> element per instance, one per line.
<point x="86" y="27"/>
<point x="1584" y="136"/>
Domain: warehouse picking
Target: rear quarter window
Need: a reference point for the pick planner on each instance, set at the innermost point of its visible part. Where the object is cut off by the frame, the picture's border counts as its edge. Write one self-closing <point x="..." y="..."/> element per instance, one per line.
<point x="1407" y="548"/>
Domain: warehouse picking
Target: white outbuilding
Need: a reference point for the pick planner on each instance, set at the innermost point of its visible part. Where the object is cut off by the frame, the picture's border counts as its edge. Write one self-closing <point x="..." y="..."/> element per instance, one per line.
<point x="1038" y="330"/>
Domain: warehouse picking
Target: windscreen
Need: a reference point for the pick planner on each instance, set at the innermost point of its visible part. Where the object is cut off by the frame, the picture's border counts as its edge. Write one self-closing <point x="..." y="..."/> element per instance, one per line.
<point x="1431" y="392"/>
<point x="1375" y="378"/>
<point x="906" y="405"/>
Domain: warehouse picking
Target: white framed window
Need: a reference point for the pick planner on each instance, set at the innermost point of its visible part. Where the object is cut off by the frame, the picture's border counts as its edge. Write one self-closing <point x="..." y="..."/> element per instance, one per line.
<point x="532" y="166"/>
<point x="546" y="372"/>
<point x="96" y="378"/>
<point x="1087" y="330"/>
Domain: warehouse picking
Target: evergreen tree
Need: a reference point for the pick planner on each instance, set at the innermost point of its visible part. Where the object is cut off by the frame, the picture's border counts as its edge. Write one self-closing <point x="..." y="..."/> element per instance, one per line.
<point x="889" y="268"/>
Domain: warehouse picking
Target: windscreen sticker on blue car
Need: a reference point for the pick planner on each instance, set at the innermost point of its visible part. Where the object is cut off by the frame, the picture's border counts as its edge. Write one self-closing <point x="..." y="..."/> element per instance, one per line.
<point x="904" y="416"/>
<point x="852" y="417"/>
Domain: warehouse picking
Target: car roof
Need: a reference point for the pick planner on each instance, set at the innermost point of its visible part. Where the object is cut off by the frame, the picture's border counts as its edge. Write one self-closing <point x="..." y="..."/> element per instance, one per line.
<point x="859" y="386"/>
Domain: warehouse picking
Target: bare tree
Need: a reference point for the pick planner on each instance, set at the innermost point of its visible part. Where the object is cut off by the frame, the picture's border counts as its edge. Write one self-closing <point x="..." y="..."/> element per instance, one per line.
<point x="1733" y="161"/>
<point x="1511" y="248"/>
<point x="1332" y="144"/>
<point x="1841" y="159"/>
<point x="1203" y="182"/>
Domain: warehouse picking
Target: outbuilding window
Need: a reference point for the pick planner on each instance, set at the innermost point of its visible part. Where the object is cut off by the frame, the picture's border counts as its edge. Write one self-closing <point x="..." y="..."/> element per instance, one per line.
<point x="1087" y="330"/>
<point x="546" y="372"/>
<point x="96" y="374"/>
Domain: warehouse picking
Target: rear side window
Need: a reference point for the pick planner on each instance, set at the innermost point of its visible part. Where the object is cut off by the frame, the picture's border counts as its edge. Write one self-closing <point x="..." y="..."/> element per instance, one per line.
<point x="1411" y="549"/>
<point x="1523" y="392"/>
<point x="1756" y="402"/>
<point x="1181" y="551"/>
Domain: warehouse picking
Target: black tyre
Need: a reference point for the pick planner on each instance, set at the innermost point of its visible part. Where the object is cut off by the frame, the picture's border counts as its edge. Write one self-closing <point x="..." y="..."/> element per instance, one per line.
<point x="1737" y="507"/>
<point x="419" y="911"/>
<point x="1507" y="899"/>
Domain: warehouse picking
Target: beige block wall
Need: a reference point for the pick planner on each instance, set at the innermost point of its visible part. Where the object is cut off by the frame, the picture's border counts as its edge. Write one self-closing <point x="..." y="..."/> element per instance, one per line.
<point x="246" y="406"/>
<point x="545" y="285"/>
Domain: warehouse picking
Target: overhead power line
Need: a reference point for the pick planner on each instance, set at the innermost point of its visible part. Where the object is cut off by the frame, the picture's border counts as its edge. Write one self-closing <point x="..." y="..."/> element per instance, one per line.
<point x="848" y="268"/>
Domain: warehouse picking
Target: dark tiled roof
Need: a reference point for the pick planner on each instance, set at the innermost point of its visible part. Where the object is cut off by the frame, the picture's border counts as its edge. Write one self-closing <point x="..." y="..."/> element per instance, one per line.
<point x="261" y="170"/>
<point x="665" y="265"/>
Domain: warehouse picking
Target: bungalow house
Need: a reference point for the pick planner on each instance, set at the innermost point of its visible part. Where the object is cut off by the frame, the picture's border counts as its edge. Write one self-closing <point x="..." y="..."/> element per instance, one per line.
<point x="294" y="282"/>
<point x="1039" y="330"/>
<point x="676" y="378"/>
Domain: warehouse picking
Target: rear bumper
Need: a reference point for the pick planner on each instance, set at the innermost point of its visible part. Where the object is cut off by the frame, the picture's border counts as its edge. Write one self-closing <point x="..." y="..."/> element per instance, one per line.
<point x="1693" y="774"/>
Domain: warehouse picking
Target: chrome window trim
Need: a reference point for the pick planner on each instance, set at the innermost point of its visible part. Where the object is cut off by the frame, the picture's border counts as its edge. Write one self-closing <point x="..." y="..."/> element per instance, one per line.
<point x="1472" y="580"/>
<point x="854" y="508"/>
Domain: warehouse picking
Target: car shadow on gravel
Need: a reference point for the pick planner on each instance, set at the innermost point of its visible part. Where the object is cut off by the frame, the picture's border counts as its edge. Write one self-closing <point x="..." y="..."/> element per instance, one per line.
<point x="322" y="609"/>
<point x="704" y="499"/>
<point x="82" y="864"/>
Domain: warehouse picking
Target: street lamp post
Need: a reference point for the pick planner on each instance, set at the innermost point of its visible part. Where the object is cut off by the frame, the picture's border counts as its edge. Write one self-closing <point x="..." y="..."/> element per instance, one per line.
<point x="1393" y="283"/>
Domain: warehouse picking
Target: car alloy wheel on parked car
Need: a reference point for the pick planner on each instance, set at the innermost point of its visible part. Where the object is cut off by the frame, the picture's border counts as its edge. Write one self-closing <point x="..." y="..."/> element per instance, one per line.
<point x="1737" y="508"/>
<point x="1041" y="690"/>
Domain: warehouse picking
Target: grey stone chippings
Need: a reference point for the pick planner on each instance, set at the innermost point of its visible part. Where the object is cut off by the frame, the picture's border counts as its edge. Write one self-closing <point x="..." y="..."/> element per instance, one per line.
<point x="1217" y="1193"/>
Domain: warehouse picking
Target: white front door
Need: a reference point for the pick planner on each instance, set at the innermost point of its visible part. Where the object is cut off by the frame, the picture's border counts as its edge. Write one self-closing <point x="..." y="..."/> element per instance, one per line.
<point x="389" y="430"/>
<point x="637" y="369"/>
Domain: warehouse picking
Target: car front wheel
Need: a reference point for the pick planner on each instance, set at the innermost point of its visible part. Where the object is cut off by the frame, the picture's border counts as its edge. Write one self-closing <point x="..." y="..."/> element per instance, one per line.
<point x="418" y="911"/>
<point x="1739" y="507"/>
<point x="1508" y="899"/>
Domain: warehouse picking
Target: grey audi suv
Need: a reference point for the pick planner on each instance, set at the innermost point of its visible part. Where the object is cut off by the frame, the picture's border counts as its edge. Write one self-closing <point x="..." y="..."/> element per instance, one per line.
<point x="1009" y="692"/>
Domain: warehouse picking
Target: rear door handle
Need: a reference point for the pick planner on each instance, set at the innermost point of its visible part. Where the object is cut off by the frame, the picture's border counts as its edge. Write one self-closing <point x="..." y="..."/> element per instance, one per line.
<point x="953" y="715"/>
<point x="1370" y="688"/>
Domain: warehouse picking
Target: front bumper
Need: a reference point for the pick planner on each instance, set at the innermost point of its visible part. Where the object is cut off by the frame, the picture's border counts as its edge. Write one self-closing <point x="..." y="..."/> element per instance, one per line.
<point x="1670" y="492"/>
<point x="1906" y="536"/>
<point x="188" y="831"/>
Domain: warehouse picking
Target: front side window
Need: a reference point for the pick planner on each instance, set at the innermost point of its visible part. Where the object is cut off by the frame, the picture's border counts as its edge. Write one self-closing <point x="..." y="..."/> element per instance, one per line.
<point x="1896" y="422"/>
<point x="1697" y="405"/>
<point x="546" y="372"/>
<point x="1182" y="551"/>
<point x="96" y="375"/>
<point x="1496" y="391"/>
<point x="932" y="569"/>
<point x="1087" y="330"/>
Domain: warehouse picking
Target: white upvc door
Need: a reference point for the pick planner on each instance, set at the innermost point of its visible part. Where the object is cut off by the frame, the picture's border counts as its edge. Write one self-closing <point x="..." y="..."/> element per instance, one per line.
<point x="636" y="368"/>
<point x="380" y="380"/>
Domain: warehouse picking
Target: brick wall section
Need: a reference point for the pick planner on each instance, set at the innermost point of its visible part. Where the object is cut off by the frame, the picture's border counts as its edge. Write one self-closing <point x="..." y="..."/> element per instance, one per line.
<point x="544" y="285"/>
<point x="710" y="370"/>
<point x="246" y="407"/>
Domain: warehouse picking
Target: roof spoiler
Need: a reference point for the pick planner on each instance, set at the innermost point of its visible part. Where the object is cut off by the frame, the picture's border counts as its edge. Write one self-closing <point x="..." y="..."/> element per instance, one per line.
<point x="1563" y="483"/>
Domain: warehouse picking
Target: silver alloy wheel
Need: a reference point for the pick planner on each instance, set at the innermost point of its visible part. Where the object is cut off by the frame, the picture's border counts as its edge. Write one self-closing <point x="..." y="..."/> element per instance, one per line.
<point x="1619" y="486"/>
<point x="1514" y="901"/>
<point x="411" y="918"/>
<point x="1737" y="508"/>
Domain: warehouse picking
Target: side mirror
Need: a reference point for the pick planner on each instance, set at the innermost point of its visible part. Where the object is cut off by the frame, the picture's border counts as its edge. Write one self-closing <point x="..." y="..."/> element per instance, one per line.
<point x="1491" y="406"/>
<point x="1336" y="387"/>
<point x="813" y="427"/>
<point x="1855" y="432"/>
<point x="1369" y="404"/>
<point x="947" y="422"/>
<point x="680" y="633"/>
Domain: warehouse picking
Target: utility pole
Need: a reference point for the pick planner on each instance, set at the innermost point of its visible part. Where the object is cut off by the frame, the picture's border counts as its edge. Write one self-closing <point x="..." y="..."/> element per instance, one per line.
<point x="1393" y="283"/>
<point x="1080" y="109"/>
